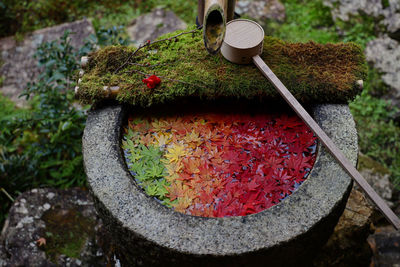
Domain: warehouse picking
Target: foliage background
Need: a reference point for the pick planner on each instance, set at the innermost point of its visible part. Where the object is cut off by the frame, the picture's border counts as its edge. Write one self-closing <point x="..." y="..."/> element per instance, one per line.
<point x="40" y="145"/>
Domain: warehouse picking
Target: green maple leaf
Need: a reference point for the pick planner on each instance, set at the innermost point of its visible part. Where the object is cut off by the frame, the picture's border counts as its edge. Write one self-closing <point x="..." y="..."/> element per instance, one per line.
<point x="130" y="135"/>
<point x="141" y="176"/>
<point x="167" y="202"/>
<point x="134" y="156"/>
<point x="150" y="152"/>
<point x="137" y="120"/>
<point x="161" y="188"/>
<point x="151" y="190"/>
<point x="155" y="169"/>
<point x="137" y="167"/>
<point x="128" y="144"/>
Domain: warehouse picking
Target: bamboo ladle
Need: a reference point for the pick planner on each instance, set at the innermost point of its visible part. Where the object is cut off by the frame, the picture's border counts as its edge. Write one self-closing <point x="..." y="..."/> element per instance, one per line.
<point x="243" y="44"/>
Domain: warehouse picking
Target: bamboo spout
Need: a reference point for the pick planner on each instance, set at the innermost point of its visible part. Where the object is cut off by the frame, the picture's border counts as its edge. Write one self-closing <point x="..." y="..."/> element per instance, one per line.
<point x="213" y="15"/>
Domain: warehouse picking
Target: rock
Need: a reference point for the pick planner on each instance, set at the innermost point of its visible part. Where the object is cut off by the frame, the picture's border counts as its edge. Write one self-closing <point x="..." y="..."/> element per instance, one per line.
<point x="384" y="53"/>
<point x="18" y="67"/>
<point x="64" y="221"/>
<point x="380" y="183"/>
<point x="262" y="10"/>
<point x="152" y="25"/>
<point x="348" y="244"/>
<point x="392" y="16"/>
<point x="387" y="13"/>
<point x="345" y="9"/>
<point x="377" y="176"/>
<point x="385" y="245"/>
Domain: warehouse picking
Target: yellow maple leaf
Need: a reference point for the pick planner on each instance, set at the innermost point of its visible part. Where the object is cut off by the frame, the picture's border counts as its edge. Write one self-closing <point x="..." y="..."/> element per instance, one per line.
<point x="159" y="125"/>
<point x="193" y="139"/>
<point x="162" y="139"/>
<point x="175" y="153"/>
<point x="171" y="178"/>
<point x="183" y="204"/>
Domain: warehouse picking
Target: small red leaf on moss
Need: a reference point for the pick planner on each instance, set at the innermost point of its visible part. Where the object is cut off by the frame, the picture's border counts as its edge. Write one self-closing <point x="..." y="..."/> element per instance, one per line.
<point x="152" y="81"/>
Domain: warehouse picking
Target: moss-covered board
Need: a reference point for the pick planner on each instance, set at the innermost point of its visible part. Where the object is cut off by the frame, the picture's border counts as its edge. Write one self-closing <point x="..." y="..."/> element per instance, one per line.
<point x="314" y="73"/>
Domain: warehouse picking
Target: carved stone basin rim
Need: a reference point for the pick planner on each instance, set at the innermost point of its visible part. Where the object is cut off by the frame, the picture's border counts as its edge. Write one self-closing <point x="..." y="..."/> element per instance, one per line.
<point x="296" y="226"/>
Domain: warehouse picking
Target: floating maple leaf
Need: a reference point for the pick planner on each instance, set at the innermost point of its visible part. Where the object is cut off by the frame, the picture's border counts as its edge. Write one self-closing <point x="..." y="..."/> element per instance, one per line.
<point x="222" y="165"/>
<point x="175" y="153"/>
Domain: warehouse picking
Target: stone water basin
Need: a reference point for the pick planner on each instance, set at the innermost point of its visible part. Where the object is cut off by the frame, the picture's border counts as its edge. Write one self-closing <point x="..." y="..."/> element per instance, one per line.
<point x="148" y="233"/>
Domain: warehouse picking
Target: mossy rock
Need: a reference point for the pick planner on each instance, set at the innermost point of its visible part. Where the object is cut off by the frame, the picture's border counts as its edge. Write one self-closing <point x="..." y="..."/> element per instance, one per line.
<point x="314" y="73"/>
<point x="67" y="231"/>
<point x="367" y="163"/>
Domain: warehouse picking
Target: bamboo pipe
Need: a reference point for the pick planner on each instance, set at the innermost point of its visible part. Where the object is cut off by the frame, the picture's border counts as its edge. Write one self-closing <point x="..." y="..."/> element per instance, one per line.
<point x="200" y="11"/>
<point x="230" y="12"/>
<point x="213" y="15"/>
<point x="214" y="24"/>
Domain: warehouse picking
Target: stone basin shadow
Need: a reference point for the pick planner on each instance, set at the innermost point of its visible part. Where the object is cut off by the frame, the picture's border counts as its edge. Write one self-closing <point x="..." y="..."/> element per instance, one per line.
<point x="148" y="233"/>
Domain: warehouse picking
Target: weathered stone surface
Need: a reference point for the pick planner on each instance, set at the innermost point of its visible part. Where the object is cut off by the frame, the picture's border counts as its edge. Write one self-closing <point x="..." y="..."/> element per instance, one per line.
<point x="152" y="25"/>
<point x="388" y="14"/>
<point x="384" y="53"/>
<point x="18" y="67"/>
<point x="66" y="219"/>
<point x="377" y="176"/>
<point x="287" y="234"/>
<point x="385" y="245"/>
<point x="344" y="9"/>
<point x="380" y="183"/>
<point x="262" y="10"/>
<point x="348" y="244"/>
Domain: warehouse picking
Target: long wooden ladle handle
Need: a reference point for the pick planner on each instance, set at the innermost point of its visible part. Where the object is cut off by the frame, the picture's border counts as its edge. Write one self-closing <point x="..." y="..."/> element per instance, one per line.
<point x="323" y="137"/>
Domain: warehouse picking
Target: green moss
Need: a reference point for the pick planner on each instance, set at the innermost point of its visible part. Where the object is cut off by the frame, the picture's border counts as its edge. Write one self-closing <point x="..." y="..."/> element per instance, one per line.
<point x="365" y="162"/>
<point x="66" y="232"/>
<point x="313" y="72"/>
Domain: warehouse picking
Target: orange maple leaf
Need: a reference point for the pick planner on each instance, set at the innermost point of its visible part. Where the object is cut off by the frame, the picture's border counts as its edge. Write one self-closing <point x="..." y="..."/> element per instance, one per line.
<point x="192" y="165"/>
<point x="183" y="204"/>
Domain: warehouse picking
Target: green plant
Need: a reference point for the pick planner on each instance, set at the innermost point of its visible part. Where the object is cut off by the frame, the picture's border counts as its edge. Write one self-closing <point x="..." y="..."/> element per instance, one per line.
<point x="109" y="36"/>
<point x="378" y="133"/>
<point x="41" y="145"/>
<point x="305" y="21"/>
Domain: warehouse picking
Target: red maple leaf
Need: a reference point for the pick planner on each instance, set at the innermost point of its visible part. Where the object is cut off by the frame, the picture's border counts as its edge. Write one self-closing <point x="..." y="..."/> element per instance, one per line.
<point x="206" y="197"/>
<point x="253" y="185"/>
<point x="274" y="162"/>
<point x="285" y="121"/>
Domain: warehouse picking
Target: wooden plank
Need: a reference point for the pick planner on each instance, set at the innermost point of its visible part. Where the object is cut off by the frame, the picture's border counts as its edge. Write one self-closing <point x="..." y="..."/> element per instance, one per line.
<point x="328" y="143"/>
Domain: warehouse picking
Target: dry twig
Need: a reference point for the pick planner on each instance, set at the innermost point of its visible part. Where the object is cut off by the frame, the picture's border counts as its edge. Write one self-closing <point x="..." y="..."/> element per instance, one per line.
<point x="148" y="43"/>
<point x="148" y="66"/>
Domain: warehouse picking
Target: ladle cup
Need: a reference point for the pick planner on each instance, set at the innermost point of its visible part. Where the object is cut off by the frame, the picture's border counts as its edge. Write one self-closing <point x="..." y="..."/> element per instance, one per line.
<point x="243" y="44"/>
